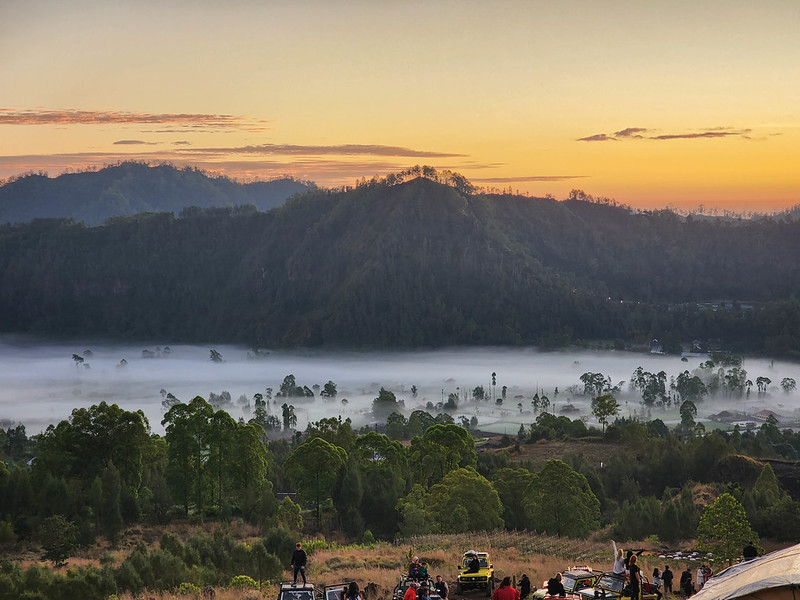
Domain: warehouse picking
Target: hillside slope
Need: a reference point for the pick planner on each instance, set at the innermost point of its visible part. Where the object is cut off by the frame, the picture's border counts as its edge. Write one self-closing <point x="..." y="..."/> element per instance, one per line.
<point x="130" y="188"/>
<point x="413" y="264"/>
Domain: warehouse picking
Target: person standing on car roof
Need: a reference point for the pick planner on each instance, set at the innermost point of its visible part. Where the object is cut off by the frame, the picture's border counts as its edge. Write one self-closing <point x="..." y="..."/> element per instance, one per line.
<point x="299" y="559"/>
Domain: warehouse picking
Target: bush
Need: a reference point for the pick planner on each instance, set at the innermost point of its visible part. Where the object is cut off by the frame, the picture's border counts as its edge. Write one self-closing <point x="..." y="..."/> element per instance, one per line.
<point x="186" y="589"/>
<point x="244" y="581"/>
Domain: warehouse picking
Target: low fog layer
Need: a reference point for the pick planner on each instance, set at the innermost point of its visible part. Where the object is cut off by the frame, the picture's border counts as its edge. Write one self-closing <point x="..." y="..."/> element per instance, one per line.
<point x="42" y="382"/>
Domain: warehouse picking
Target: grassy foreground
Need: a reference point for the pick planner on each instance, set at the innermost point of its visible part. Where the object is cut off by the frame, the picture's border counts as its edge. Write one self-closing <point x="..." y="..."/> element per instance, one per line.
<point x="381" y="564"/>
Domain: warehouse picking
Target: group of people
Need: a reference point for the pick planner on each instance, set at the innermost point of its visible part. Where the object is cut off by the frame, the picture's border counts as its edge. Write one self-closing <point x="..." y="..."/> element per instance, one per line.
<point x="418" y="570"/>
<point x="687" y="585"/>
<point x="623" y="565"/>
<point x="419" y="590"/>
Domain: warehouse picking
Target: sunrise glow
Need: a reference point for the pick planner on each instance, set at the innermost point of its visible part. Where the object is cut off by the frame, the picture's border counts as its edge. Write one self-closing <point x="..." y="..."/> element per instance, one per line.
<point x="653" y="104"/>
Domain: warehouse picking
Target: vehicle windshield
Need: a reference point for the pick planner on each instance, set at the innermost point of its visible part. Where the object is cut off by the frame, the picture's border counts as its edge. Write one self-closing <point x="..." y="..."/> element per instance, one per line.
<point x="569" y="582"/>
<point x="608" y="582"/>
<point x="480" y="560"/>
<point x="297" y="595"/>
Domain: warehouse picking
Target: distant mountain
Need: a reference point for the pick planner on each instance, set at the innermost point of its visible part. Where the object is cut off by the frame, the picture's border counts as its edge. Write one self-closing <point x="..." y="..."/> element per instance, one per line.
<point x="406" y="265"/>
<point x="130" y="188"/>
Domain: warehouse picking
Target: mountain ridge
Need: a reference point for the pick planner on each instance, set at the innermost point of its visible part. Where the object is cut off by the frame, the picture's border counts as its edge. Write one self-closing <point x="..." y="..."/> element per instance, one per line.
<point x="417" y="263"/>
<point x="130" y="188"/>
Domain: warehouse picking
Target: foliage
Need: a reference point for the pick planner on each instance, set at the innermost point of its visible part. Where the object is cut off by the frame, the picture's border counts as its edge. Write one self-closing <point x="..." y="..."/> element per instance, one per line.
<point x="560" y="501"/>
<point x="314" y="468"/>
<point x="373" y="266"/>
<point x="724" y="528"/>
<point x="59" y="538"/>
<point x="603" y="407"/>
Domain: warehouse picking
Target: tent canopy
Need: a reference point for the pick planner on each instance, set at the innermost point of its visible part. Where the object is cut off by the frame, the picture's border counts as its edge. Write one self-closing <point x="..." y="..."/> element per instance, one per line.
<point x="775" y="575"/>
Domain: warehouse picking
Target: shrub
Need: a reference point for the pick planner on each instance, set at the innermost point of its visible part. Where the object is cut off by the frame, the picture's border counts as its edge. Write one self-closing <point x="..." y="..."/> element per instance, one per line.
<point x="186" y="589"/>
<point x="244" y="581"/>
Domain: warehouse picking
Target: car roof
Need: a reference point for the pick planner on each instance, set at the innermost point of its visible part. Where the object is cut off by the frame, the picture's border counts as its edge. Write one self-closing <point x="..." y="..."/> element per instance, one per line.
<point x="576" y="573"/>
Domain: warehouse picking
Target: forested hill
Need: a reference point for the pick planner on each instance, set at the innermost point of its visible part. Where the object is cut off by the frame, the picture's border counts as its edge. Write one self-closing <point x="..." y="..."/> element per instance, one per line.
<point x="418" y="263"/>
<point x="130" y="188"/>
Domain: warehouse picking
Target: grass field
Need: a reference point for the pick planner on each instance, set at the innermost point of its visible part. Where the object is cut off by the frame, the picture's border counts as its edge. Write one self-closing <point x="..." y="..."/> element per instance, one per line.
<point x="379" y="566"/>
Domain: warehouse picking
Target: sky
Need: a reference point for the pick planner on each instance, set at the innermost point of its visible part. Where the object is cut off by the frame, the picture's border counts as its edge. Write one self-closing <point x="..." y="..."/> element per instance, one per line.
<point x="674" y="104"/>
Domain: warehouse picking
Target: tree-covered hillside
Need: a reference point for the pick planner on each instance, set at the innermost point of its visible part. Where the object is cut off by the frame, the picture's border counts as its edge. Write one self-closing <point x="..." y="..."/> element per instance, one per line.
<point x="130" y="188"/>
<point x="410" y="264"/>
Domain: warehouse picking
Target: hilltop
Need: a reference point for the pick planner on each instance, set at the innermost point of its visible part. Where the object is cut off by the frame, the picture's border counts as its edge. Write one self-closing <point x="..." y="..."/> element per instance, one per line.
<point x="409" y="264"/>
<point x="129" y="188"/>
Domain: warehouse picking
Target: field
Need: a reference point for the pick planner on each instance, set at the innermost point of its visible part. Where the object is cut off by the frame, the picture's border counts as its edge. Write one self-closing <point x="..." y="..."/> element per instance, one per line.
<point x="377" y="567"/>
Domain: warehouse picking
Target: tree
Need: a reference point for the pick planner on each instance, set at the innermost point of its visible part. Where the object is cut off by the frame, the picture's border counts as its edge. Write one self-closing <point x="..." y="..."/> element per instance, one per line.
<point x="187" y="434"/>
<point x="511" y="485"/>
<point x="548" y="509"/>
<point x="385" y="404"/>
<point x="690" y="387"/>
<point x="215" y="356"/>
<point x="314" y="468"/>
<point x="724" y="529"/>
<point x="594" y="383"/>
<point x="289" y="416"/>
<point x="465" y="501"/>
<point x="788" y="385"/>
<point x="329" y="390"/>
<point x="384" y="470"/>
<point x="59" y="538"/>
<point x="688" y="412"/>
<point x="603" y="407"/>
<point x="439" y="450"/>
<point x="762" y="383"/>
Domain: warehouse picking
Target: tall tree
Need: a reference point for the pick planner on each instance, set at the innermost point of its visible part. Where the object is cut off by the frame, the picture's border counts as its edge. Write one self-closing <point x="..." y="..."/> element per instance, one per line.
<point x="547" y="508"/>
<point x="724" y="528"/>
<point x="314" y="468"/>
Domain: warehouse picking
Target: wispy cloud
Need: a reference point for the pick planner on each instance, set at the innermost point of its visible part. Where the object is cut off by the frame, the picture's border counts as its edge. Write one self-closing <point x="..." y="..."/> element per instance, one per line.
<point x="106" y="117"/>
<point x="529" y="178"/>
<point x="134" y="143"/>
<point x="631" y="132"/>
<point x="335" y="150"/>
<point x="598" y="137"/>
<point x="642" y="133"/>
<point x="704" y="134"/>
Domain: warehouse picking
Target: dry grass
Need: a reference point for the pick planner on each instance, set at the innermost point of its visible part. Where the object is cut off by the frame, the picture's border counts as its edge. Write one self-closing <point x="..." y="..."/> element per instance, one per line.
<point x="512" y="553"/>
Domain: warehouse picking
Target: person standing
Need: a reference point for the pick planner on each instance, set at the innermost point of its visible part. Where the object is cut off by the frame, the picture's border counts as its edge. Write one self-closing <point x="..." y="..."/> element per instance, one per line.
<point x="618" y="566"/>
<point x="524" y="587"/>
<point x="299" y="559"/>
<point x="636" y="577"/>
<point x="656" y="578"/>
<point x="700" y="578"/>
<point x="687" y="588"/>
<point x="441" y="587"/>
<point x="667" y="577"/>
<point x="411" y="592"/>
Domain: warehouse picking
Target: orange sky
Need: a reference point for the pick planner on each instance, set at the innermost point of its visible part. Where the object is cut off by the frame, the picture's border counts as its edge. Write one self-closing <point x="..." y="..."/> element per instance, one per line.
<point x="654" y="104"/>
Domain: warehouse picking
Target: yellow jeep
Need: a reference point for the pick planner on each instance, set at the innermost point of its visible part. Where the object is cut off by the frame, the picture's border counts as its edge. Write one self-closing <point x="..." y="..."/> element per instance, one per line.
<point x="475" y="572"/>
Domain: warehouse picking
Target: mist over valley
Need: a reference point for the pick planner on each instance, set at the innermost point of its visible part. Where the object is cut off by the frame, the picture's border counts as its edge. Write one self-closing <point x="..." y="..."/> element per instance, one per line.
<point x="42" y="383"/>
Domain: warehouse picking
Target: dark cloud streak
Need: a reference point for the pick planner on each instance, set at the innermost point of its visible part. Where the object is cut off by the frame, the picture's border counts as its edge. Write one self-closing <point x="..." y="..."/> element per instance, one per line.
<point x="636" y="133"/>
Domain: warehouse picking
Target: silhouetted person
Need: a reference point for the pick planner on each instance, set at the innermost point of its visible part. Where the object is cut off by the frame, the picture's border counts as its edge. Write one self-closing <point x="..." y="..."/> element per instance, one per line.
<point x="299" y="559"/>
<point x="749" y="552"/>
<point x="524" y="587"/>
<point x="667" y="577"/>
<point x="555" y="587"/>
